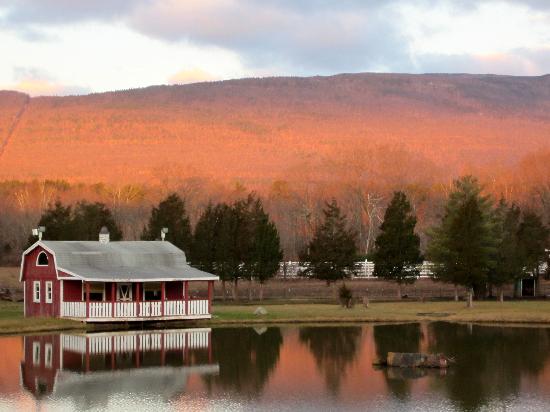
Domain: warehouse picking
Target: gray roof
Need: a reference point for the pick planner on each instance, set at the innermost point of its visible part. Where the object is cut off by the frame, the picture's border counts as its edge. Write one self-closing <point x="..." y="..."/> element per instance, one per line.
<point x="124" y="261"/>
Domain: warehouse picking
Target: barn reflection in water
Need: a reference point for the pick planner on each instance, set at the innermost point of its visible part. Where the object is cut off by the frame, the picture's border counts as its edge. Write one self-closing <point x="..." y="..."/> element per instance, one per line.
<point x="90" y="367"/>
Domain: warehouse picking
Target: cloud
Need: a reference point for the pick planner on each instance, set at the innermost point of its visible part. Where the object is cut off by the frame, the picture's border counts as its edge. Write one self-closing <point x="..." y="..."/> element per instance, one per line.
<point x="329" y="36"/>
<point x="35" y="82"/>
<point x="522" y="62"/>
<point x="219" y="39"/>
<point x="191" y="76"/>
<point x="65" y="11"/>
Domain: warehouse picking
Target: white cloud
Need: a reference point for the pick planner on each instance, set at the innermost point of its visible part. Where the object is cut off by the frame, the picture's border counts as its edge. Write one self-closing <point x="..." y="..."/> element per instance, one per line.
<point x="118" y="44"/>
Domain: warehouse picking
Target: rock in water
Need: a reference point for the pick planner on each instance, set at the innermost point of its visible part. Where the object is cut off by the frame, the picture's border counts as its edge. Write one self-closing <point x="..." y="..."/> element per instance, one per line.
<point x="260" y="311"/>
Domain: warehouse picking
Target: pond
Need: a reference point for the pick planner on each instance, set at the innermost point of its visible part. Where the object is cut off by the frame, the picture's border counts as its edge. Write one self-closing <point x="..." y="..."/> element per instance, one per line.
<point x="277" y="368"/>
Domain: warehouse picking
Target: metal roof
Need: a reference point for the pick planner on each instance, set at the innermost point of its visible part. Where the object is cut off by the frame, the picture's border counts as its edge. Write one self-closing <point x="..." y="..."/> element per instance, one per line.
<point x="123" y="261"/>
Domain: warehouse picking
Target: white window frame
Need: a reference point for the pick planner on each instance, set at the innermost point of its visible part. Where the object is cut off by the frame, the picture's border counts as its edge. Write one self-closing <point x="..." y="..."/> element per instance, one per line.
<point x="49" y="291"/>
<point x="36" y="291"/>
<point x="38" y="257"/>
<point x="48" y="355"/>
<point x="36" y="353"/>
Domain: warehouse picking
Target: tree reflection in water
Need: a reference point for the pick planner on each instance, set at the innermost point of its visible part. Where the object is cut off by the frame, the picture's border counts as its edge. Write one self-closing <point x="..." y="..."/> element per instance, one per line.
<point x="397" y="338"/>
<point x="246" y="357"/>
<point x="334" y="350"/>
<point x="490" y="361"/>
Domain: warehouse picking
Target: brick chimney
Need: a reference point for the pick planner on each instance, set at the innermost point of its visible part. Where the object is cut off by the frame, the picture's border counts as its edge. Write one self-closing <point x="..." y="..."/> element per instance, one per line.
<point x="104" y="235"/>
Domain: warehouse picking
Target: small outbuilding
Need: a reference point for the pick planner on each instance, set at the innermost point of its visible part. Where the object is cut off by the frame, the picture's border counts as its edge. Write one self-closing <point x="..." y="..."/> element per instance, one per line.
<point x="107" y="281"/>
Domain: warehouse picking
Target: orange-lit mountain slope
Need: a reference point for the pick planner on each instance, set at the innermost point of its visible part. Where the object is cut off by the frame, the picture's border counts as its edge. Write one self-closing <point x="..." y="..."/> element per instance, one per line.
<point x="260" y="130"/>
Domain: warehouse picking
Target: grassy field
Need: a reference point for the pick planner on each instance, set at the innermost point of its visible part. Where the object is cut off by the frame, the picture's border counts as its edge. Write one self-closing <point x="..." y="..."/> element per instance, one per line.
<point x="12" y="321"/>
<point x="514" y="311"/>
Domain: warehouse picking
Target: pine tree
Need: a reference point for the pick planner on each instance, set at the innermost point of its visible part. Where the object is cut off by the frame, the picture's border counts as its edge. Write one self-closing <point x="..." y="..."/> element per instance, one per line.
<point x="532" y="244"/>
<point x="508" y="264"/>
<point x="266" y="251"/>
<point x="463" y="247"/>
<point x="237" y="242"/>
<point x="89" y="218"/>
<point x="333" y="250"/>
<point x="397" y="252"/>
<point x="212" y="247"/>
<point x="59" y="224"/>
<point x="170" y="213"/>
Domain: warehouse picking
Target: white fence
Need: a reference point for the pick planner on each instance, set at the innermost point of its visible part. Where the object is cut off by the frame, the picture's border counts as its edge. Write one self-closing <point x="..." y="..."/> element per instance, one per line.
<point x="148" y="309"/>
<point x="153" y="309"/>
<point x="101" y="309"/>
<point x="198" y="307"/>
<point x="127" y="342"/>
<point x="363" y="269"/>
<point x="73" y="309"/>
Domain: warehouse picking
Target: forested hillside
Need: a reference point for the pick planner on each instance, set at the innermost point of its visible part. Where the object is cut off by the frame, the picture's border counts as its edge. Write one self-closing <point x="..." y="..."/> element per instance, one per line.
<point x="296" y="141"/>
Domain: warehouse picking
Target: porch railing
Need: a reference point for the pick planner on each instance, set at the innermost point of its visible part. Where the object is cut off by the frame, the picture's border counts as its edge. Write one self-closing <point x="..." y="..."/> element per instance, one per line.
<point x="148" y="309"/>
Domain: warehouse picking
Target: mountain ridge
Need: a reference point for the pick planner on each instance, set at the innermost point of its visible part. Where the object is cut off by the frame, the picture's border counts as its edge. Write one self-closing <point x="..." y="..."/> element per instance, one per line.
<point x="259" y="130"/>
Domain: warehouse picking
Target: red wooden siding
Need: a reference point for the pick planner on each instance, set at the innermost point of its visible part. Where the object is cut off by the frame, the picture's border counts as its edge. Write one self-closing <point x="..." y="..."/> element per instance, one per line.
<point x="43" y="274"/>
<point x="174" y="290"/>
<point x="72" y="290"/>
<point x="37" y="375"/>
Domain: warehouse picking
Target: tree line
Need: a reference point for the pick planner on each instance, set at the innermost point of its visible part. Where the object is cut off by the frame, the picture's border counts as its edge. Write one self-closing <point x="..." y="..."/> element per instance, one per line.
<point x="235" y="241"/>
<point x="477" y="243"/>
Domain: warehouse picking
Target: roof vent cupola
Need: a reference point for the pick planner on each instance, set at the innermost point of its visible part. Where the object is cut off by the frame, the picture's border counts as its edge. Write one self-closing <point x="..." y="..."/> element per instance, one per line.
<point x="104" y="235"/>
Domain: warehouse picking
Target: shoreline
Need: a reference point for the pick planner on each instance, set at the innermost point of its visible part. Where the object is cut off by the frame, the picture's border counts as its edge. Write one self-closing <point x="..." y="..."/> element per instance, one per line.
<point x="514" y="313"/>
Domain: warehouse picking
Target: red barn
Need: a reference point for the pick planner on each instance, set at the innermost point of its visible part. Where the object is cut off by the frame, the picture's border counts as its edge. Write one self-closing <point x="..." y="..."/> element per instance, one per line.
<point x="112" y="281"/>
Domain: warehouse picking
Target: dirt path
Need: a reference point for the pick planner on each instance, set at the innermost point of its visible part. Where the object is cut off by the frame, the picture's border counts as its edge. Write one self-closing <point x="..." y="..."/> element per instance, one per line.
<point x="13" y="126"/>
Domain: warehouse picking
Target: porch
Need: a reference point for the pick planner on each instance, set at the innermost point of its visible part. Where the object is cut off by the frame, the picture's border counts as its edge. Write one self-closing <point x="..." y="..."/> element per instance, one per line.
<point x="135" y="301"/>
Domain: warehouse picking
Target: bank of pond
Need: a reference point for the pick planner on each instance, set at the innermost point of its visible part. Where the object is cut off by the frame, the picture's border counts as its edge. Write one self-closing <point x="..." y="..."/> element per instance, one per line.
<point x="313" y="367"/>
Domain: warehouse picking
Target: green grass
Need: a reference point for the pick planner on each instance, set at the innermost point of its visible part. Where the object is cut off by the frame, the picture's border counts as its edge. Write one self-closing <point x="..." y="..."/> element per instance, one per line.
<point x="515" y="311"/>
<point x="12" y="320"/>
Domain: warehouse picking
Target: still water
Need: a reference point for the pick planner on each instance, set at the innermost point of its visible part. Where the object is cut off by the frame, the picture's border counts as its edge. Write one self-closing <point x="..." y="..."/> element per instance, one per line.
<point x="277" y="368"/>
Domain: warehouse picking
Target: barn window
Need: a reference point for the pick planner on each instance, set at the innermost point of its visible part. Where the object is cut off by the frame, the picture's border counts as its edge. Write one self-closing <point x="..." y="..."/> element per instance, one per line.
<point x="42" y="259"/>
<point x="36" y="353"/>
<point x="151" y="291"/>
<point x="49" y="292"/>
<point x="48" y="355"/>
<point x="36" y="291"/>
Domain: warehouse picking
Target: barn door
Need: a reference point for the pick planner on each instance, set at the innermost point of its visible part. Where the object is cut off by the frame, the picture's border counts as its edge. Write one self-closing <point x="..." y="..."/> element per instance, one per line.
<point x="124" y="292"/>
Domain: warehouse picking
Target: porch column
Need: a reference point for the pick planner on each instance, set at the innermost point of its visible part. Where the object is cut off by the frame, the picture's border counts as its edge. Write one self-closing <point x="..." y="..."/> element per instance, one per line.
<point x="138" y="298"/>
<point x="113" y="298"/>
<point x="162" y="297"/>
<point x="210" y="292"/>
<point x="87" y="300"/>
<point x="186" y="292"/>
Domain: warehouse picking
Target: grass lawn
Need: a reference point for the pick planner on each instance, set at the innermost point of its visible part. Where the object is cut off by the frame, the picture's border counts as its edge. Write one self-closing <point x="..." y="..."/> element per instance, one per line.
<point x="12" y="320"/>
<point x="514" y="311"/>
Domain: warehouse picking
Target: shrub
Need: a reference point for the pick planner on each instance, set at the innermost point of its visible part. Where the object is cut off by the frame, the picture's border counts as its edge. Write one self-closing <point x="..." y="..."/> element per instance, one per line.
<point x="346" y="296"/>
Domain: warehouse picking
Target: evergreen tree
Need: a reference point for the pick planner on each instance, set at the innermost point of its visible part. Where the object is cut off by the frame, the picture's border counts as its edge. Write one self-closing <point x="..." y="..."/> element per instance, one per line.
<point x="237" y="242"/>
<point x="81" y="223"/>
<point x="266" y="251"/>
<point x="397" y="254"/>
<point x="212" y="248"/>
<point x="508" y="265"/>
<point x="333" y="250"/>
<point x="170" y="213"/>
<point x="463" y="247"/>
<point x="89" y="218"/>
<point x="532" y="244"/>
<point x="59" y="223"/>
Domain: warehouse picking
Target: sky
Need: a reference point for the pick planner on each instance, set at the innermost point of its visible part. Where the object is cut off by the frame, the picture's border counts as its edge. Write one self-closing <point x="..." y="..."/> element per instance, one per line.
<point x="61" y="47"/>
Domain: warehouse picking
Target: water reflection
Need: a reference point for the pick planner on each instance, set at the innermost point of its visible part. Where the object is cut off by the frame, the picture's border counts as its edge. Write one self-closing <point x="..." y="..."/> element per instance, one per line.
<point x="398" y="338"/>
<point x="491" y="362"/>
<point x="246" y="356"/>
<point x="272" y="368"/>
<point x="89" y="368"/>
<point x="334" y="350"/>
